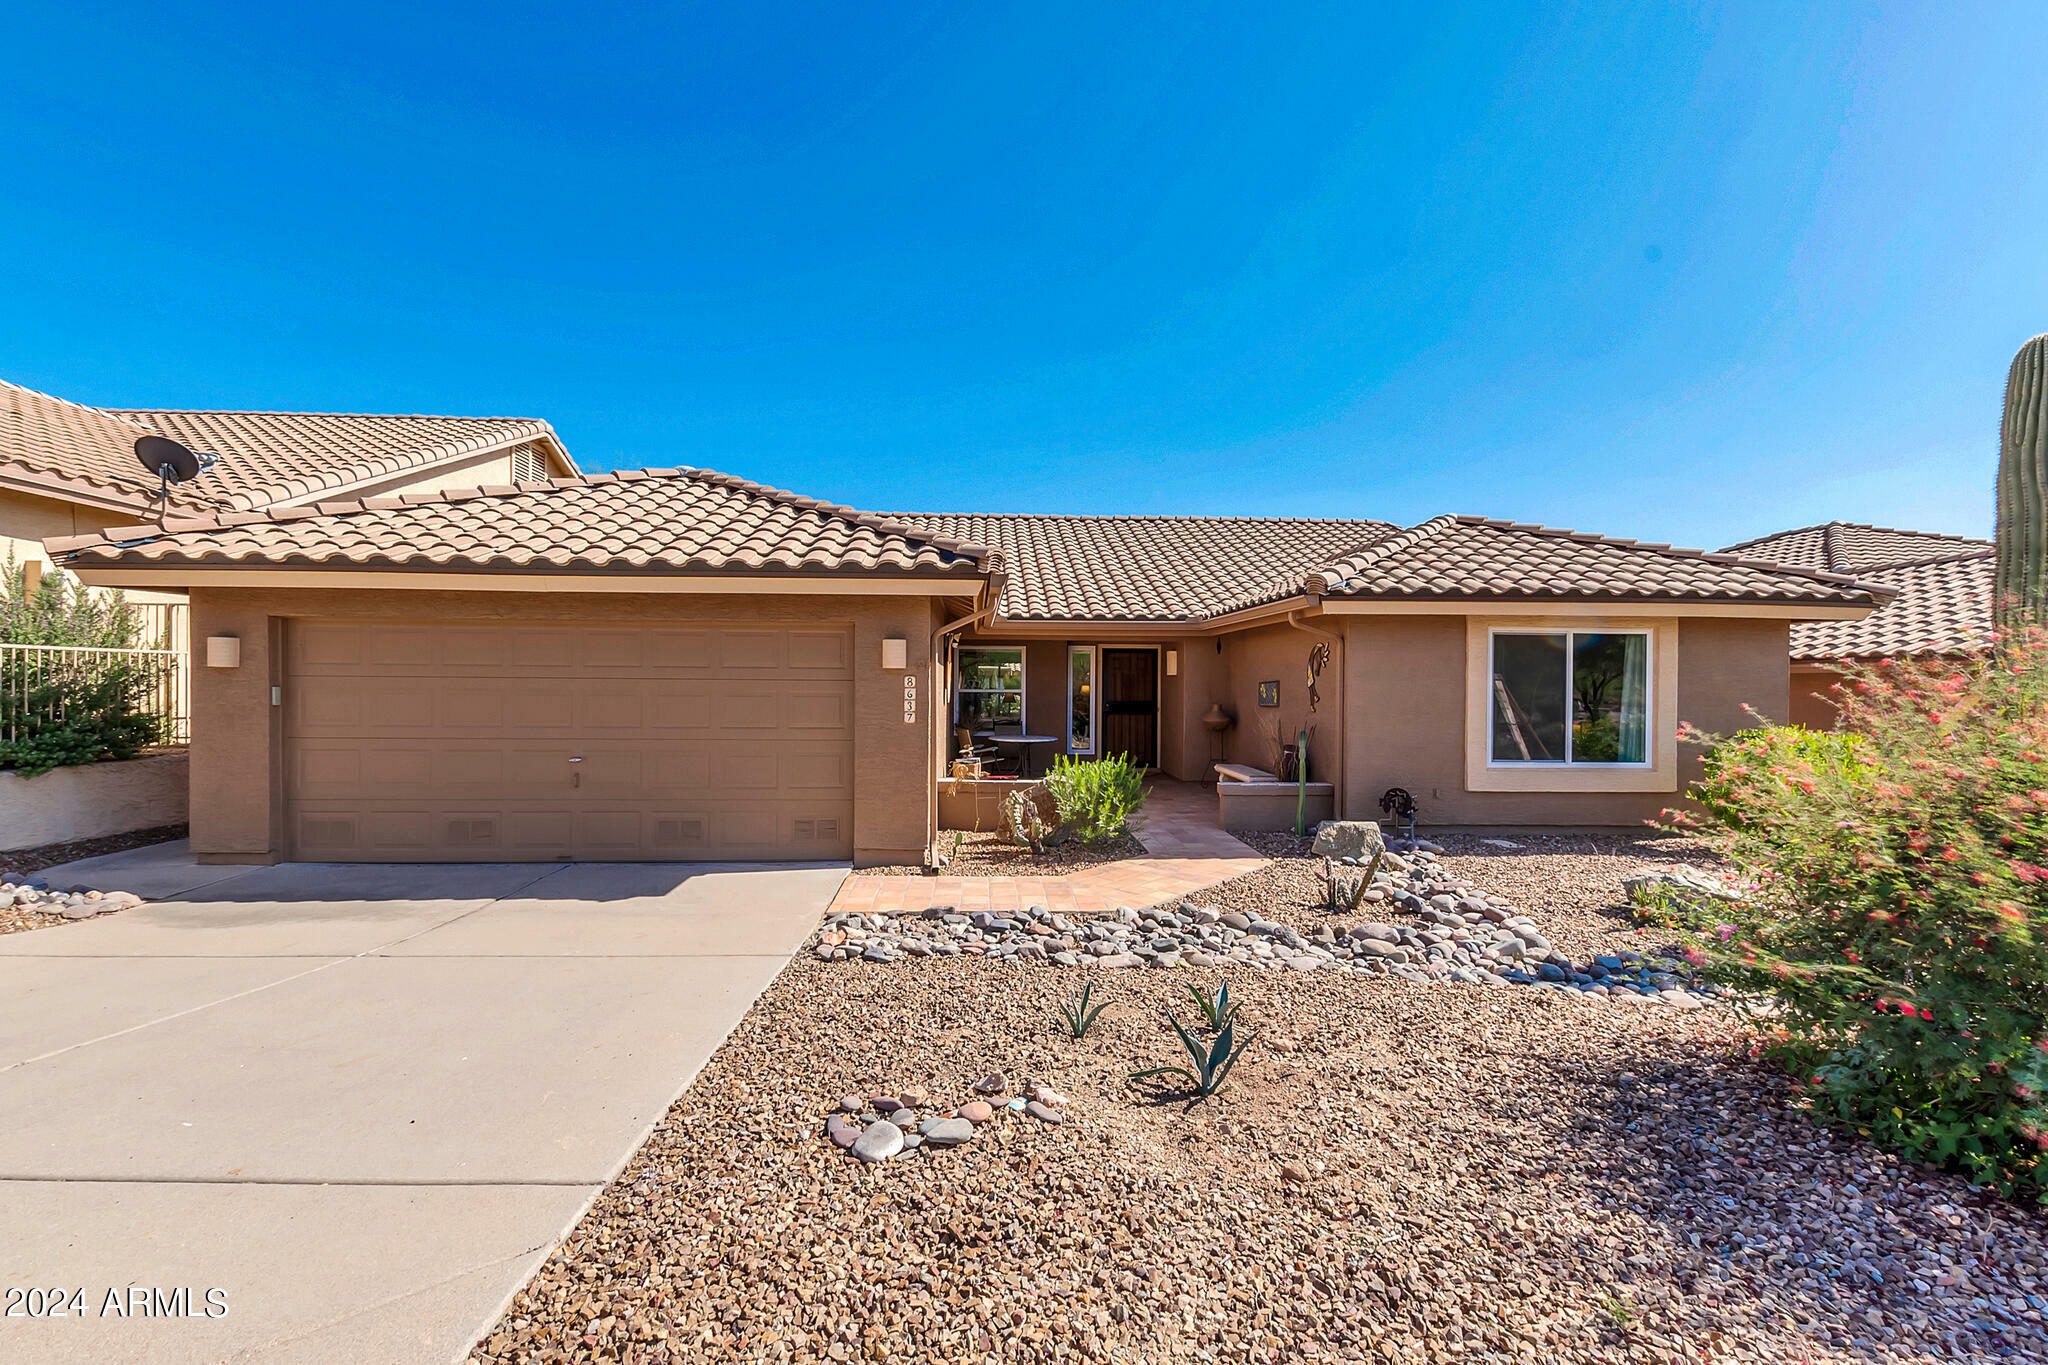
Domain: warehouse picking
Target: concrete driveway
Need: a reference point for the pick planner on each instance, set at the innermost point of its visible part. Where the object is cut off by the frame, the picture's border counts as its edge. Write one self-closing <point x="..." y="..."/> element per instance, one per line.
<point x="362" y="1102"/>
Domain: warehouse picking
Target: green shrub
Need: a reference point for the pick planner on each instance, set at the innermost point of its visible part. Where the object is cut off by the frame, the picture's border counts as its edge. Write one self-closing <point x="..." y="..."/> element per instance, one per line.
<point x="56" y="709"/>
<point x="1095" y="796"/>
<point x="1895" y="906"/>
<point x="78" y="716"/>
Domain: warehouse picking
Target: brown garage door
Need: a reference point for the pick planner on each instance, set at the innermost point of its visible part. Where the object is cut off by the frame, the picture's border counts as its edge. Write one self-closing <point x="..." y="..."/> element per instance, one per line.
<point x="464" y="742"/>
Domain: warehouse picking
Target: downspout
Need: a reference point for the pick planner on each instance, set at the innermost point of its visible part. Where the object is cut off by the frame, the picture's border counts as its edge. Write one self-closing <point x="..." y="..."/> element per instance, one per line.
<point x="1343" y="752"/>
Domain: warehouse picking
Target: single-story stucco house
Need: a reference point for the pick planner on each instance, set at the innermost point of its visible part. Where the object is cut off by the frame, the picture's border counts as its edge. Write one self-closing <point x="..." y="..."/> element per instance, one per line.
<point x="679" y="664"/>
<point x="1941" y="607"/>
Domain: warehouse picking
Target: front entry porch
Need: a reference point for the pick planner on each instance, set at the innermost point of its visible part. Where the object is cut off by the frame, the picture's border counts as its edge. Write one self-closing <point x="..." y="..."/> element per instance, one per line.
<point x="1185" y="851"/>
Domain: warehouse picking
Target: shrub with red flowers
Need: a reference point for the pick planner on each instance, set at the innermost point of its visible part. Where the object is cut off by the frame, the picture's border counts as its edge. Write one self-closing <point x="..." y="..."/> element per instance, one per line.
<point x="1895" y="908"/>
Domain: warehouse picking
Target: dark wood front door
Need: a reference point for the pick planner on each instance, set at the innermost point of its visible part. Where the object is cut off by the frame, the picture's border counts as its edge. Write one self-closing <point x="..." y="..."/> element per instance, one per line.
<point x="1130" y="704"/>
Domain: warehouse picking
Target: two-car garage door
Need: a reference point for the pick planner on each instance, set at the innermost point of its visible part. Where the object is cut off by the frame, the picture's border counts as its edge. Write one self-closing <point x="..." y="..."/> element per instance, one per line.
<point x="467" y="742"/>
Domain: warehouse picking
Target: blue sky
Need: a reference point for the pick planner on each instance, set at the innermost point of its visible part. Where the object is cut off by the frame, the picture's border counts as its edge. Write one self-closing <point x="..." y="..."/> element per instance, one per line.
<point x="1683" y="272"/>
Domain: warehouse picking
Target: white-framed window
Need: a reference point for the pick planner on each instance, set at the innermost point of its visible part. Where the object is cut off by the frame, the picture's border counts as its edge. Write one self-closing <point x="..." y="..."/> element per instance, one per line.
<point x="1081" y="699"/>
<point x="1569" y="698"/>
<point x="991" y="691"/>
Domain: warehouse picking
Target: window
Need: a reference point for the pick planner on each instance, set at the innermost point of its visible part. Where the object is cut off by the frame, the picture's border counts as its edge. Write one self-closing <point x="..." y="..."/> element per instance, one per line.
<point x="991" y="692"/>
<point x="1570" y="697"/>
<point x="1081" y="699"/>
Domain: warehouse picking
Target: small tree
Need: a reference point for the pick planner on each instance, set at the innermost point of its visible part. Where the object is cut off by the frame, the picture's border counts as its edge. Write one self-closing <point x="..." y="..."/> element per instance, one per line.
<point x="58" y="611"/>
<point x="1895" y="906"/>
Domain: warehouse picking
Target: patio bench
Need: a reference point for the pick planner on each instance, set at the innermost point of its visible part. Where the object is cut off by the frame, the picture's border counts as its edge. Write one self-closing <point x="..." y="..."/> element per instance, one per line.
<point x="1242" y="772"/>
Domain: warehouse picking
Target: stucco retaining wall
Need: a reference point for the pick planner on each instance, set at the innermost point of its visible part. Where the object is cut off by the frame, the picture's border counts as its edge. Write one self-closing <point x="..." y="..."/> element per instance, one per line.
<point x="94" y="800"/>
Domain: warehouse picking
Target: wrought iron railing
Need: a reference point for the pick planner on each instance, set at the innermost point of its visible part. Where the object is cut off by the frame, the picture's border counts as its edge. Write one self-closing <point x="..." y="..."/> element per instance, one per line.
<point x="36" y="679"/>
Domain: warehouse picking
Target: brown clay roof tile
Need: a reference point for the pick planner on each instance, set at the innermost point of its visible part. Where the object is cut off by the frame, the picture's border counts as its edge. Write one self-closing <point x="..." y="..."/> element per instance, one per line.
<point x="1943" y="585"/>
<point x="267" y="458"/>
<point x="651" y="520"/>
<point x="1460" y="558"/>
<point x="1073" y="568"/>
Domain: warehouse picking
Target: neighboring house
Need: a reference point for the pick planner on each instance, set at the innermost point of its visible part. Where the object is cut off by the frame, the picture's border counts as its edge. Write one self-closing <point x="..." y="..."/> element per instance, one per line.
<point x="678" y="664"/>
<point x="67" y="469"/>
<point x="1942" y="608"/>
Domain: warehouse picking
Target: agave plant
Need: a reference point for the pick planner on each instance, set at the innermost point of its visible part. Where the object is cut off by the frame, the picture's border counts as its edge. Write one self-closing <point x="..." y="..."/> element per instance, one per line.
<point x="1213" y="1062"/>
<point x="1218" y="1009"/>
<point x="1076" y="1014"/>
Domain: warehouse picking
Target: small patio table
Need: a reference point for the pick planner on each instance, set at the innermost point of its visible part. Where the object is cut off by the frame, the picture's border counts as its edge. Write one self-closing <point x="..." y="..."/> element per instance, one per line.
<point x="1029" y="744"/>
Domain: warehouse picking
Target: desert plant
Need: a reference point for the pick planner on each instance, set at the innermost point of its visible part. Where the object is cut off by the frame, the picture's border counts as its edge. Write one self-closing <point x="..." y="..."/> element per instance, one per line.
<point x="1023" y="821"/>
<point x="1216" y="1007"/>
<point x="1213" y="1062"/>
<point x="1343" y="888"/>
<point x="1894" y="906"/>
<point x="1076" y="1014"/>
<point x="1095" y="796"/>
<point x="2022" y="532"/>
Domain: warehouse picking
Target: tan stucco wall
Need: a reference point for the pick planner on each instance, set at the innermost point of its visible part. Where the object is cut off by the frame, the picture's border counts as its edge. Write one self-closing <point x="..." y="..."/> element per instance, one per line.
<point x="1406" y="713"/>
<point x="237" y="805"/>
<point x="1811" y="706"/>
<point x="1278" y="654"/>
<point x="93" y="800"/>
<point x="26" y="520"/>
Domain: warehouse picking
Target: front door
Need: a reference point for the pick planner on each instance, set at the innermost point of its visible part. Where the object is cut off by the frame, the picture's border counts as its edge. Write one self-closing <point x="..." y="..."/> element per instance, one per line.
<point x="1130" y="705"/>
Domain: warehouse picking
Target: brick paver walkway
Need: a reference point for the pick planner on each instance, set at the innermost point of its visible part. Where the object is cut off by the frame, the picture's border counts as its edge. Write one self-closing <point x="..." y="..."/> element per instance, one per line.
<point x="1184" y="852"/>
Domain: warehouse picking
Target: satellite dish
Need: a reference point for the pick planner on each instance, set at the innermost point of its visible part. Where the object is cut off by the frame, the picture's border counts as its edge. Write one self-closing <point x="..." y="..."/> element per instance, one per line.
<point x="171" y="463"/>
<point x="166" y="459"/>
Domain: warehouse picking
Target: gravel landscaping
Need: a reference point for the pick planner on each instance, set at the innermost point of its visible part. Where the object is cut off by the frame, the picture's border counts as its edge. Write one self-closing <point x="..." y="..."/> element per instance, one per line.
<point x="1417" y="920"/>
<point x="1396" y="1172"/>
<point x="985" y="853"/>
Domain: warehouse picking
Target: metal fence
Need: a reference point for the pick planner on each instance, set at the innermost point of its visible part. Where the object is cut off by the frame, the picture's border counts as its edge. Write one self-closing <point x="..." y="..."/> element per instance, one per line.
<point x="35" y="678"/>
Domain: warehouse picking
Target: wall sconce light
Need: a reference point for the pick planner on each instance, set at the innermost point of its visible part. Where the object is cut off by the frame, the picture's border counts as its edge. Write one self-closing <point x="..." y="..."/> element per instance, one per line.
<point x="223" y="651"/>
<point x="1172" y="663"/>
<point x="895" y="652"/>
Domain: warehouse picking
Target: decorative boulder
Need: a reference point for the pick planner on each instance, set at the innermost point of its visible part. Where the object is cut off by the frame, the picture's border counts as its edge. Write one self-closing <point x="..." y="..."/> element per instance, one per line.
<point x="1359" y="839"/>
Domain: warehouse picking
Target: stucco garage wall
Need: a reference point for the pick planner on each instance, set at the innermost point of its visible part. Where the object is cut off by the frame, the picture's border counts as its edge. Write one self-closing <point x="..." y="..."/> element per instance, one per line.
<point x="237" y="749"/>
<point x="1406" y="699"/>
<point x="92" y="800"/>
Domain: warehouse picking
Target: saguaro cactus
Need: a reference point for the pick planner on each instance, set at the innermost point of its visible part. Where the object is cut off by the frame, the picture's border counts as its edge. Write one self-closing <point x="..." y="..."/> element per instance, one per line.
<point x="2021" y="590"/>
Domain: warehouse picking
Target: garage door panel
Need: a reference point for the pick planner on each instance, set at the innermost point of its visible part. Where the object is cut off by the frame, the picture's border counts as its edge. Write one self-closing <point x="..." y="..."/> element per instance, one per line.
<point x="813" y="652"/>
<point x="609" y="707"/>
<point x="547" y="651"/>
<point x="818" y="712"/>
<point x="814" y="772"/>
<point x="753" y="650"/>
<point x="611" y="649"/>
<point x="467" y="769"/>
<point x="468" y="707"/>
<point x="687" y="651"/>
<point x="425" y="742"/>
<point x="683" y="707"/>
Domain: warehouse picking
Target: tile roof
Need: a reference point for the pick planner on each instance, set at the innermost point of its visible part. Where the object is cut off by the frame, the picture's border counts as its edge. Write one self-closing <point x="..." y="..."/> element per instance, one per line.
<point x="1462" y="558"/>
<point x="1943" y="607"/>
<point x="1073" y="568"/>
<point x="1850" y="547"/>
<point x="267" y="458"/>
<point x="1943" y="583"/>
<point x="647" y="520"/>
